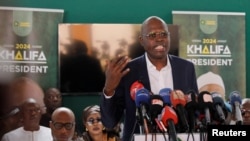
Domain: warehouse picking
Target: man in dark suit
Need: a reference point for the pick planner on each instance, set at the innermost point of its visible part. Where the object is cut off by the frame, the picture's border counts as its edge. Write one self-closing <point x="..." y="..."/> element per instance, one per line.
<point x="156" y="69"/>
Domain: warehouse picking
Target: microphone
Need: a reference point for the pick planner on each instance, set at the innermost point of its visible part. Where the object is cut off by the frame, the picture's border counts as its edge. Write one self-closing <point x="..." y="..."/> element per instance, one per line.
<point x="235" y="101"/>
<point x="134" y="88"/>
<point x="142" y="99"/>
<point x="205" y="103"/>
<point x="178" y="101"/>
<point x="156" y="105"/>
<point x="169" y="120"/>
<point x="191" y="107"/>
<point x="165" y="94"/>
<point x="218" y="104"/>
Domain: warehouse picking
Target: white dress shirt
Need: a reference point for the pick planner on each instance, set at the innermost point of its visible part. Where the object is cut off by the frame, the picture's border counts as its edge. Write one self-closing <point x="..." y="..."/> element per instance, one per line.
<point x="19" y="134"/>
<point x="159" y="79"/>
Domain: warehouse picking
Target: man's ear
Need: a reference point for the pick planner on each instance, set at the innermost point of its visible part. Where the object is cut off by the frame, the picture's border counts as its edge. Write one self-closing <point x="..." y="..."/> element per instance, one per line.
<point x="141" y="40"/>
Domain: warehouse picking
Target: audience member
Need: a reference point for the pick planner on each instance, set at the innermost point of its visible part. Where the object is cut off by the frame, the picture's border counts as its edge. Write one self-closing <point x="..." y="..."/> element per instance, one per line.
<point x="17" y="92"/>
<point x="156" y="69"/>
<point x="62" y="124"/>
<point x="31" y="130"/>
<point x="81" y="72"/>
<point x="95" y="131"/>
<point x="246" y="111"/>
<point x="52" y="100"/>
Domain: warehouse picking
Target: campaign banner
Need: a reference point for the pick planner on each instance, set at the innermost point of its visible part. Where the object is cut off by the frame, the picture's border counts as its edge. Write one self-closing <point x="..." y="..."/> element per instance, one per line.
<point x="215" y="43"/>
<point x="29" y="44"/>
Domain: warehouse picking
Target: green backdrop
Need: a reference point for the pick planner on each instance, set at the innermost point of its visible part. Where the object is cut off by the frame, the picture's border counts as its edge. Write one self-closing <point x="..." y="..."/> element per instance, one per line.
<point x="129" y="11"/>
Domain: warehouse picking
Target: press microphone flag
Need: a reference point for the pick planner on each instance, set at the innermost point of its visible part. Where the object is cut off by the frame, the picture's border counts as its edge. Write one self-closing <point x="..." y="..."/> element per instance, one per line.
<point x="235" y="101"/>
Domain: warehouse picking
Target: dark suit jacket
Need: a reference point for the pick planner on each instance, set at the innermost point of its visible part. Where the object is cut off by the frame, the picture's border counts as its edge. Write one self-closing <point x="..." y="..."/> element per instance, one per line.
<point x="112" y="110"/>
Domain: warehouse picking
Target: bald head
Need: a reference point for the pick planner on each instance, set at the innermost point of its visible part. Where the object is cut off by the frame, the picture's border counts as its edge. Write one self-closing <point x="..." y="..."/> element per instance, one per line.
<point x="63" y="111"/>
<point x="62" y="124"/>
<point x="28" y="103"/>
<point x="151" y="19"/>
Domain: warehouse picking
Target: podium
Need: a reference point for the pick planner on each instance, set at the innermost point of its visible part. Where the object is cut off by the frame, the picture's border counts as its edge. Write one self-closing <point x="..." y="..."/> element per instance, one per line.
<point x="160" y="137"/>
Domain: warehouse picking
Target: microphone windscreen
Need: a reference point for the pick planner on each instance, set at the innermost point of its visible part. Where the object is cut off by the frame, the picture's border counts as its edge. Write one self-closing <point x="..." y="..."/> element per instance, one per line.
<point x="191" y="99"/>
<point x="205" y="97"/>
<point x="156" y="105"/>
<point x="165" y="94"/>
<point x="235" y="97"/>
<point x="177" y="98"/>
<point x="142" y="96"/>
<point x="205" y="101"/>
<point x="168" y="113"/>
<point x="217" y="99"/>
<point x="134" y="88"/>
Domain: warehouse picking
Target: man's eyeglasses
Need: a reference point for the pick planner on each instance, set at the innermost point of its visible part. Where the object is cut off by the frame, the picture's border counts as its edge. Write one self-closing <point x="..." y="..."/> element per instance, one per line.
<point x="153" y="35"/>
<point x="92" y="121"/>
<point x="244" y="111"/>
<point x="59" y="125"/>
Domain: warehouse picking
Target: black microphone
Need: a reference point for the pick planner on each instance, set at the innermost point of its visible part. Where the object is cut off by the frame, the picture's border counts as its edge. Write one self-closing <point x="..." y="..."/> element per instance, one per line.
<point x="156" y="105"/>
<point x="218" y="105"/>
<point x="235" y="101"/>
<point x="205" y="102"/>
<point x="191" y="107"/>
<point x="142" y="99"/>
<point x="178" y="101"/>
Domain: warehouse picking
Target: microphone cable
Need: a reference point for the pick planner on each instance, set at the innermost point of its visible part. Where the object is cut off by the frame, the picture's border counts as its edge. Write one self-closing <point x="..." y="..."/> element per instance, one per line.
<point x="162" y="128"/>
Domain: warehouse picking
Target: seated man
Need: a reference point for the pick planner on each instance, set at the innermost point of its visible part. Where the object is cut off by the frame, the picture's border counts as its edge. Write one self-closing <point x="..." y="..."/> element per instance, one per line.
<point x="12" y="96"/>
<point x="62" y="124"/>
<point x="31" y="130"/>
<point x="246" y="111"/>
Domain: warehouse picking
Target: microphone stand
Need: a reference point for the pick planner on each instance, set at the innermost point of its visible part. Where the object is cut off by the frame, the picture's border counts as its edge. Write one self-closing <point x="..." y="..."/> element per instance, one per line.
<point x="172" y="131"/>
<point x="139" y="119"/>
<point x="202" y="129"/>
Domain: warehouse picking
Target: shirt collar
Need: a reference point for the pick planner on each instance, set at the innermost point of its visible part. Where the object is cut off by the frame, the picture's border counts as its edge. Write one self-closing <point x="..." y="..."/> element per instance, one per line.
<point x="151" y="66"/>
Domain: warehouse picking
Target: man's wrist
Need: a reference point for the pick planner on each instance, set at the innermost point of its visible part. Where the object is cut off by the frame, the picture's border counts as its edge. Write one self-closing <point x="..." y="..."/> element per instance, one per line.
<point x="108" y="92"/>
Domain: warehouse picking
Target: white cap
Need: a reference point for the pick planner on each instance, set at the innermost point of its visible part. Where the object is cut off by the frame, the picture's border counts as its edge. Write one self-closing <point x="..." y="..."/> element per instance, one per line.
<point x="210" y="78"/>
